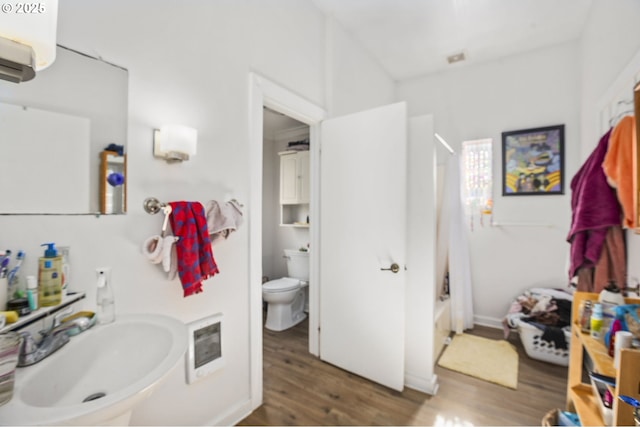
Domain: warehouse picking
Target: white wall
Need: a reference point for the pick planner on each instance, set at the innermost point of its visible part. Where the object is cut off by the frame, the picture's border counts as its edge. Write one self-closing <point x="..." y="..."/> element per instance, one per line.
<point x="188" y="63"/>
<point x="610" y="40"/>
<point x="352" y="73"/>
<point x="530" y="90"/>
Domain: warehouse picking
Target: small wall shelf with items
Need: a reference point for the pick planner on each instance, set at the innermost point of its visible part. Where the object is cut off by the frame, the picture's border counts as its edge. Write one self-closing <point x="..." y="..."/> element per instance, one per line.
<point x="42" y="312"/>
<point x="582" y="397"/>
<point x="294" y="188"/>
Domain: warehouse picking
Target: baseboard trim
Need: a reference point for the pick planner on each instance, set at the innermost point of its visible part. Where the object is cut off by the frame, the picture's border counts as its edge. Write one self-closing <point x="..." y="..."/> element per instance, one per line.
<point x="425" y="385"/>
<point x="491" y="322"/>
<point x="233" y="416"/>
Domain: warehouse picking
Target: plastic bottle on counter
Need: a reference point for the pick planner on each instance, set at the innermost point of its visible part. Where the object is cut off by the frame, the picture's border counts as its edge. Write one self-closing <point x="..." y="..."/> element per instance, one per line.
<point x="596" y="321"/>
<point x="105" y="301"/>
<point x="585" y="316"/>
<point x="50" y="277"/>
<point x="32" y="292"/>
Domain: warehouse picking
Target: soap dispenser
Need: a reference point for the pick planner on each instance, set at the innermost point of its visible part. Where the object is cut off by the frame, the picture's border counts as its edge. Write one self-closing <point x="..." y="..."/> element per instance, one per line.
<point x="105" y="301"/>
<point x="50" y="277"/>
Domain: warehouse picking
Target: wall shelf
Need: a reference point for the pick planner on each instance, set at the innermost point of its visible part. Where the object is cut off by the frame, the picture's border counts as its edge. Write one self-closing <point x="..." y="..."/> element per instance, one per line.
<point x="43" y="312"/>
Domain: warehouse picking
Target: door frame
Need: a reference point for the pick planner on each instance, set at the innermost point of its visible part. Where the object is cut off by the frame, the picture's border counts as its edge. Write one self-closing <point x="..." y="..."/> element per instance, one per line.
<point x="266" y="93"/>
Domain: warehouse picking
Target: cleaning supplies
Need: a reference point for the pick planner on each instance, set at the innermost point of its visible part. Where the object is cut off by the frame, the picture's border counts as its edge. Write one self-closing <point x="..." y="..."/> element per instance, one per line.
<point x="50" y="277"/>
<point x="105" y="302"/>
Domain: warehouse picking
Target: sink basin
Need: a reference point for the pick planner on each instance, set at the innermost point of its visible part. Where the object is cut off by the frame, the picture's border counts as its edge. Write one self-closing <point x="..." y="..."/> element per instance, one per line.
<point x="100" y="375"/>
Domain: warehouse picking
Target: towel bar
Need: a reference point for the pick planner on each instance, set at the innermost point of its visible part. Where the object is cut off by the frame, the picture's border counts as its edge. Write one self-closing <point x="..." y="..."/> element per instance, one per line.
<point x="152" y="205"/>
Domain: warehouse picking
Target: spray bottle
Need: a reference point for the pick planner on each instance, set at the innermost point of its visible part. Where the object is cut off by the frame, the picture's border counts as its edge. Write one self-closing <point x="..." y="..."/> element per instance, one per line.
<point x="105" y="302"/>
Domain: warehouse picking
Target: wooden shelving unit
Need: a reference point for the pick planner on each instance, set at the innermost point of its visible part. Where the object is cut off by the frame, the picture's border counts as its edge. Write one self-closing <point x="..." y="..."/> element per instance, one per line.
<point x="581" y="398"/>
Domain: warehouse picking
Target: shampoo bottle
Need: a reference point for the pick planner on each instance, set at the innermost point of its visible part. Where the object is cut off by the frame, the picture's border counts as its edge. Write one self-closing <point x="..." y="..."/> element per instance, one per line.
<point x="105" y="302"/>
<point x="50" y="277"/>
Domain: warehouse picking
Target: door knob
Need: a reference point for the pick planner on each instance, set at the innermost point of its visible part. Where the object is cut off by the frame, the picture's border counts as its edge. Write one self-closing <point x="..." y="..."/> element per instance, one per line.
<point x="394" y="268"/>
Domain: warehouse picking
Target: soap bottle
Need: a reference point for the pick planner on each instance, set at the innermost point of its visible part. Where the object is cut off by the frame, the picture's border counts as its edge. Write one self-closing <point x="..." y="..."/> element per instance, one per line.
<point x="50" y="276"/>
<point x="104" y="299"/>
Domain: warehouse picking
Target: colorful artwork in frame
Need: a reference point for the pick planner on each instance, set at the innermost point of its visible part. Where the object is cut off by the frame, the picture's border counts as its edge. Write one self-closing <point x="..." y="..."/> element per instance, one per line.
<point x="533" y="161"/>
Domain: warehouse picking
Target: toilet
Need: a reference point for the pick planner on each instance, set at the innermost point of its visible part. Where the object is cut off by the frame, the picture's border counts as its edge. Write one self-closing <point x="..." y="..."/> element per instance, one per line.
<point x="287" y="297"/>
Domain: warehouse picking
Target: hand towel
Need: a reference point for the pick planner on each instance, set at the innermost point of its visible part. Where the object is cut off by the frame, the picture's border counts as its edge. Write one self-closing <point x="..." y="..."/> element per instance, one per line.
<point x="193" y="249"/>
<point x="222" y="219"/>
<point x="620" y="167"/>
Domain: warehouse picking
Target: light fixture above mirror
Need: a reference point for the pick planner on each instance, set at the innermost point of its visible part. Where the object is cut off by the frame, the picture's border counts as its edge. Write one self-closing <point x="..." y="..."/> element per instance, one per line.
<point x="175" y="143"/>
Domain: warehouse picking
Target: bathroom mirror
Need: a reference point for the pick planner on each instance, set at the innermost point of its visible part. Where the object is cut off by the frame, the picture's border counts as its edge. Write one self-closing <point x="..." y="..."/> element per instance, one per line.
<point x="53" y="130"/>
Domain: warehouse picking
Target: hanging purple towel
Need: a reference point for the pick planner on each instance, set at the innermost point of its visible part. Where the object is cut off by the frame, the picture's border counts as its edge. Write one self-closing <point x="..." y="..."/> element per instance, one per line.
<point x="594" y="207"/>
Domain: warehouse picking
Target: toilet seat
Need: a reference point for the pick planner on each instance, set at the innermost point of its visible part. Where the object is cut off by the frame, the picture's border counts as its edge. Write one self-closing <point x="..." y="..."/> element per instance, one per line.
<point x="281" y="285"/>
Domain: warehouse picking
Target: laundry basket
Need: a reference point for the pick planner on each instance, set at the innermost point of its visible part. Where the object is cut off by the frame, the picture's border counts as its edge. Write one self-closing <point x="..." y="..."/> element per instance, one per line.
<point x="539" y="349"/>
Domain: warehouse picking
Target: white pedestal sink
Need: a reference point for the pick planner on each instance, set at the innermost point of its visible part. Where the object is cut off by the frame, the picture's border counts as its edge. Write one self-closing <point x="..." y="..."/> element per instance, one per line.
<point x="100" y="375"/>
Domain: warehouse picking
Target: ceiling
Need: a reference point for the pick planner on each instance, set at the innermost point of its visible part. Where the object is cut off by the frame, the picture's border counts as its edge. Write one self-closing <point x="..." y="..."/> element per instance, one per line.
<point x="410" y="38"/>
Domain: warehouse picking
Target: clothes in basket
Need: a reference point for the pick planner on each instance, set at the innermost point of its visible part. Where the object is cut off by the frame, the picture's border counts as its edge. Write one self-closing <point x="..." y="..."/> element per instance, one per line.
<point x="542" y="317"/>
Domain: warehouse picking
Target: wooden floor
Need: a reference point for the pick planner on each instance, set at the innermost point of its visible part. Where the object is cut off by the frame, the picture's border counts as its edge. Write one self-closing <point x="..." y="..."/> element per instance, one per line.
<point x="299" y="389"/>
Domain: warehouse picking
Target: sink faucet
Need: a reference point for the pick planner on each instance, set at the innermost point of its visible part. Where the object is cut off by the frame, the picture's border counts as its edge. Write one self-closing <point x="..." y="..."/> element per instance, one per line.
<point x="52" y="339"/>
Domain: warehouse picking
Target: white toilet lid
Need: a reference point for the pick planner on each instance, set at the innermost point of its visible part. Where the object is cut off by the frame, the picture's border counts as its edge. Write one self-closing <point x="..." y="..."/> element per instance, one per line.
<point x="281" y="285"/>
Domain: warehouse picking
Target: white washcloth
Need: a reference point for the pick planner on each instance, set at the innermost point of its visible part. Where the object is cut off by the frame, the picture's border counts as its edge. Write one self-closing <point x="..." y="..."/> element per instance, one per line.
<point x="152" y="249"/>
<point x="158" y="250"/>
<point x="222" y="219"/>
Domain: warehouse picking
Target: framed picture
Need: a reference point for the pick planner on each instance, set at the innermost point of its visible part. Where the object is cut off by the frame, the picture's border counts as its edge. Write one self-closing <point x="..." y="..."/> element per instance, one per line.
<point x="533" y="161"/>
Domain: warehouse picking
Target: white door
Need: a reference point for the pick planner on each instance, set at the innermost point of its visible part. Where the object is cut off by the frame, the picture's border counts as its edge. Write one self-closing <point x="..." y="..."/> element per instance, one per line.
<point x="362" y="233"/>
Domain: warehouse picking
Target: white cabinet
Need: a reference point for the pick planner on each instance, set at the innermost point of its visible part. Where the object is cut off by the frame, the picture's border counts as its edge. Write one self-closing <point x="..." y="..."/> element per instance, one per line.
<point x="294" y="177"/>
<point x="294" y="187"/>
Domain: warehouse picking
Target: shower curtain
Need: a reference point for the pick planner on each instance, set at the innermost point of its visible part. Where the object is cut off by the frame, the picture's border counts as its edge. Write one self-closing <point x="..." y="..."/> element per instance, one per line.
<point x="453" y="249"/>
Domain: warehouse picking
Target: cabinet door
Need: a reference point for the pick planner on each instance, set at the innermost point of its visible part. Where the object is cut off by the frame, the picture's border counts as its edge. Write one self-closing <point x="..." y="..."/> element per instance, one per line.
<point x="288" y="179"/>
<point x="304" y="189"/>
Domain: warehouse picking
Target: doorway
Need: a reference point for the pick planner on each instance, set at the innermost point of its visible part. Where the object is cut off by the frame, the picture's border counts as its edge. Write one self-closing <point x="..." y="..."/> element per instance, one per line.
<point x="286" y="192"/>
<point x="265" y="93"/>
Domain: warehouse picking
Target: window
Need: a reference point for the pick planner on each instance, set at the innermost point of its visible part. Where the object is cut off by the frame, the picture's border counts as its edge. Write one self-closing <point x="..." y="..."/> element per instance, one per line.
<point x="476" y="180"/>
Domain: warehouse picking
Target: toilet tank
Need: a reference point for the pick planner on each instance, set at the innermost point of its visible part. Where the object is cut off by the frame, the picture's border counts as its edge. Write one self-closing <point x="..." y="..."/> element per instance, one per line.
<point x="297" y="264"/>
